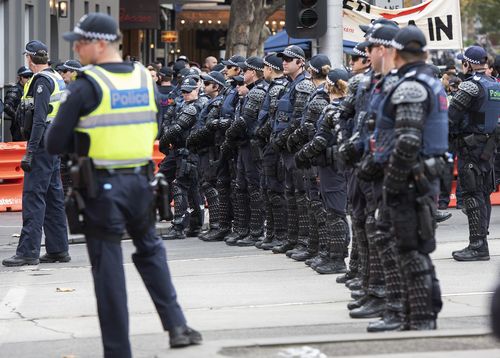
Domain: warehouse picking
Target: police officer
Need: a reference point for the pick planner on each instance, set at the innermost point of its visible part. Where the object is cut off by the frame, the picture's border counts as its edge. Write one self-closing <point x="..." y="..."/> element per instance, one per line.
<point x="290" y="109"/>
<point x="201" y="141"/>
<point x="272" y="184"/>
<point x="11" y="101"/>
<point x="381" y="240"/>
<point x="241" y="134"/>
<point x="185" y="185"/>
<point x="474" y="112"/>
<point x="69" y="70"/>
<point x="43" y="198"/>
<point x="226" y="166"/>
<point x="331" y="219"/>
<point x="308" y="193"/>
<point x="118" y="139"/>
<point x="412" y="126"/>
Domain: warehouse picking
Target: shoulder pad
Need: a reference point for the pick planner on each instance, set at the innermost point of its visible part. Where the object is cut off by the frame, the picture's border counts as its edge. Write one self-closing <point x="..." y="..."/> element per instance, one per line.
<point x="317" y="104"/>
<point x="217" y="102"/>
<point x="275" y="90"/>
<point x="409" y="92"/>
<point x="305" y="86"/>
<point x="256" y="94"/>
<point x="354" y="82"/>
<point x="389" y="82"/>
<point x="189" y="109"/>
<point x="470" y="87"/>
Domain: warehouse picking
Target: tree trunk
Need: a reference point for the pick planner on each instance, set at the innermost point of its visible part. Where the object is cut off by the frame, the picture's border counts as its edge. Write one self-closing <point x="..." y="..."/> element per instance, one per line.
<point x="246" y="35"/>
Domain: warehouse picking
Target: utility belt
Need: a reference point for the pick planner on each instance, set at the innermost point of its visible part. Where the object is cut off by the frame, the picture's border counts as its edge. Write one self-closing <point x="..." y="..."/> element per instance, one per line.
<point x="85" y="186"/>
<point x="426" y="170"/>
<point x="480" y="144"/>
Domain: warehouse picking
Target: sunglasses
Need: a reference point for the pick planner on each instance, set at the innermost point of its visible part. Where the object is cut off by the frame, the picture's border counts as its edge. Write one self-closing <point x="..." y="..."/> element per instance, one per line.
<point x="288" y="59"/>
<point x="230" y="67"/>
<point x="207" y="83"/>
<point x="186" y="92"/>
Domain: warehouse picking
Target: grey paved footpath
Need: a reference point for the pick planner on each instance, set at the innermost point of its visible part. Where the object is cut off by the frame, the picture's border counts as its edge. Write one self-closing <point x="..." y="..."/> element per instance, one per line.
<point x="246" y="302"/>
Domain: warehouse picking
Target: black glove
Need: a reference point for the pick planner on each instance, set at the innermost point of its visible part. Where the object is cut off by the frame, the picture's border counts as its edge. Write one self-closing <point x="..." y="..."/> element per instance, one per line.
<point x="369" y="169"/>
<point x="213" y="125"/>
<point x="26" y="161"/>
<point x="301" y="161"/>
<point x="292" y="144"/>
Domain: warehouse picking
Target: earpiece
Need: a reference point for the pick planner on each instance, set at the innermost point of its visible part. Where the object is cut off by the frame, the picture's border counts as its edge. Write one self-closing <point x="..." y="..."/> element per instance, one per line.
<point x="297" y="62"/>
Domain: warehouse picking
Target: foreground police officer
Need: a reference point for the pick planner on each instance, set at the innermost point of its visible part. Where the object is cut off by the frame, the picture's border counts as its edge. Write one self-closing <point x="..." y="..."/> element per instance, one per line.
<point x="413" y="117"/>
<point x="111" y="108"/>
<point x="43" y="198"/>
<point x="474" y="114"/>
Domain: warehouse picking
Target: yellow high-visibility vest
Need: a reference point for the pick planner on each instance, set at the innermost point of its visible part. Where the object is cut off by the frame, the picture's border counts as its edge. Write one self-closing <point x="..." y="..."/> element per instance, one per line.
<point x="123" y="127"/>
<point x="55" y="96"/>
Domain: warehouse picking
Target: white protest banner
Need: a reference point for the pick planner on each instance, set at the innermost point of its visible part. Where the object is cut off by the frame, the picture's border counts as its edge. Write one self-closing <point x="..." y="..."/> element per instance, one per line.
<point x="438" y="19"/>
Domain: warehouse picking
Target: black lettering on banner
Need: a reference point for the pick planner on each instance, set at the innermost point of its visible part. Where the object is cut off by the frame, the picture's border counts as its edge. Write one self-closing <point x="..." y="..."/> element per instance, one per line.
<point x="362" y="4"/>
<point x="447" y="29"/>
<point x="440" y="27"/>
<point x="346" y="6"/>
<point x="412" y="23"/>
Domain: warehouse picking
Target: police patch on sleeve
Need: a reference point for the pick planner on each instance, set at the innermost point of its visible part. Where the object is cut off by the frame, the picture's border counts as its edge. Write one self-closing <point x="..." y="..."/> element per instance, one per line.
<point x="64" y="96"/>
<point x="39" y="89"/>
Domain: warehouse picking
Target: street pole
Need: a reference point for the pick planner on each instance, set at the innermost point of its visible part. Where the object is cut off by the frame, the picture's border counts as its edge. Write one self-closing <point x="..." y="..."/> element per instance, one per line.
<point x="331" y="43"/>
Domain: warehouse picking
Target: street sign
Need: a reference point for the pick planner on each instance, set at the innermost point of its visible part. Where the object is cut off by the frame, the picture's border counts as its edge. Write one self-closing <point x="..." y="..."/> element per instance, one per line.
<point x="169" y="36"/>
<point x="389" y="4"/>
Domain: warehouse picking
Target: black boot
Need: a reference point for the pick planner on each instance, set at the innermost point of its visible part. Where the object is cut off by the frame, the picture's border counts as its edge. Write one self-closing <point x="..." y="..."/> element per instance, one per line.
<point x="476" y="251"/>
<point x="299" y="248"/>
<point x="441" y="216"/>
<point x="303" y="224"/>
<point x="349" y="275"/>
<point x="373" y="307"/>
<point x="216" y="235"/>
<point x="256" y="207"/>
<point x="356" y="295"/>
<point x="354" y="284"/>
<point x="313" y="260"/>
<point x="174" y="233"/>
<point x="269" y="222"/>
<point x="336" y="265"/>
<point x="213" y="212"/>
<point x="357" y="303"/>
<point x="241" y="220"/>
<point x="324" y="242"/>
<point x="302" y="255"/>
<point x="279" y="219"/>
<point x="390" y="321"/>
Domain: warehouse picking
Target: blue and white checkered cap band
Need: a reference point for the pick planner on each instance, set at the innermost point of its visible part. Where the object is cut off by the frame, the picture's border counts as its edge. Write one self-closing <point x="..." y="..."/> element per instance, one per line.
<point x="253" y="67"/>
<point x="471" y="60"/>
<point x="95" y="35"/>
<point x="313" y="68"/>
<point x="401" y="47"/>
<point x="292" y="54"/>
<point x="359" y="53"/>
<point x="378" y="41"/>
<point x="274" y="67"/>
<point x="71" y="67"/>
<point x="232" y="63"/>
<point x="214" y="80"/>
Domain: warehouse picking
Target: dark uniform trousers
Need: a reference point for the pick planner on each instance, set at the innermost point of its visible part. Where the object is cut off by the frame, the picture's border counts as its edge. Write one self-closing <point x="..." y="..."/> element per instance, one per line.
<point x="420" y="286"/>
<point x="124" y="202"/>
<point x="43" y="206"/>
<point x="363" y="211"/>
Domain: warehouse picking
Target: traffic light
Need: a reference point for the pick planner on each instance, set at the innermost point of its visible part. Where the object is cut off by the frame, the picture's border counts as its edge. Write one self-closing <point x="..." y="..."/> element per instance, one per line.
<point x="305" y="18"/>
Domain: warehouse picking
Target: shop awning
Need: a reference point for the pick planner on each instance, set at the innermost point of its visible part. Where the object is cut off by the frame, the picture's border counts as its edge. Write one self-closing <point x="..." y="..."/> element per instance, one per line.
<point x="278" y="42"/>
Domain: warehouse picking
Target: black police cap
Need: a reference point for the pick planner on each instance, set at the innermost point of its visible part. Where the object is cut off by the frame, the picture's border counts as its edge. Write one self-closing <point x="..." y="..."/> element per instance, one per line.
<point x="24" y="71"/>
<point x="318" y="61"/>
<point x="188" y="85"/>
<point x="94" y="26"/>
<point x="215" y="77"/>
<point x="360" y="49"/>
<point x="474" y="54"/>
<point x="382" y="21"/>
<point x="293" y="51"/>
<point x="253" y="63"/>
<point x="166" y="71"/>
<point x="337" y="74"/>
<point x="218" y="67"/>
<point x="37" y="48"/>
<point x="233" y="60"/>
<point x="72" y="65"/>
<point x="382" y="35"/>
<point x="273" y="61"/>
<point x="410" y="39"/>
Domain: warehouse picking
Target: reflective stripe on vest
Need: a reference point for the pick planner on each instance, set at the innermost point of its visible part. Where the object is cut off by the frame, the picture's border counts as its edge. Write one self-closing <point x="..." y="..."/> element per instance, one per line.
<point x="123" y="127"/>
<point x="55" y="96"/>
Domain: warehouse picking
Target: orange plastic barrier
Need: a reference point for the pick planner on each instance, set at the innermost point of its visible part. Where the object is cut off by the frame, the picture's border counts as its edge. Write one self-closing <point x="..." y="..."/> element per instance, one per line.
<point x="11" y="176"/>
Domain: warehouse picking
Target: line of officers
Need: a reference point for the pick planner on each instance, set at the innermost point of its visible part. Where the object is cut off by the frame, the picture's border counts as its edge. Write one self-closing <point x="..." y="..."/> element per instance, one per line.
<point x="280" y="153"/>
